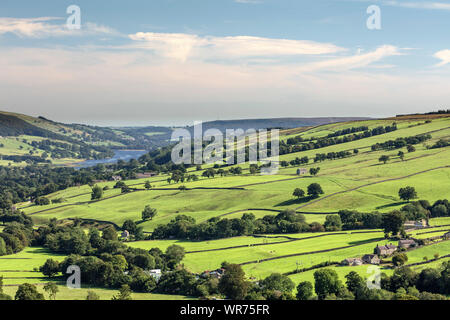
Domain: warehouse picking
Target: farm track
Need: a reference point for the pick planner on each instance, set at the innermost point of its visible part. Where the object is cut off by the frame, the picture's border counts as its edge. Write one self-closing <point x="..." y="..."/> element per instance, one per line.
<point x="370" y="184"/>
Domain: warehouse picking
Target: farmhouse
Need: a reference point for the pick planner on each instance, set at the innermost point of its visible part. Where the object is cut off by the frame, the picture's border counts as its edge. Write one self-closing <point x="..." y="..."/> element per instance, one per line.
<point x="155" y="273"/>
<point x="371" y="259"/>
<point x="145" y="175"/>
<point x="216" y="273"/>
<point x="302" y="171"/>
<point x="415" y="224"/>
<point x="352" y="262"/>
<point x="116" y="178"/>
<point x="125" y="235"/>
<point x="406" y="244"/>
<point x="446" y="236"/>
<point x="386" y="250"/>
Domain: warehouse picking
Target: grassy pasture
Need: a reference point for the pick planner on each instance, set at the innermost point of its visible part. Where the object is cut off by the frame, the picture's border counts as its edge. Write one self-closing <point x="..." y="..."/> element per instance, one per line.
<point x="358" y="182"/>
<point x="66" y="293"/>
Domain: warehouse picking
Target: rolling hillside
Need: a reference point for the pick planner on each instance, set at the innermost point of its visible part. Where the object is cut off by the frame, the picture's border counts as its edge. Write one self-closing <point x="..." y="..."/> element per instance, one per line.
<point x="359" y="181"/>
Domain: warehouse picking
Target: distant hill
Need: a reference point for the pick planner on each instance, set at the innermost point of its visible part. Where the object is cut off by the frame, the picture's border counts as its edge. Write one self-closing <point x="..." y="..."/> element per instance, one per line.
<point x="39" y="139"/>
<point x="280" y="123"/>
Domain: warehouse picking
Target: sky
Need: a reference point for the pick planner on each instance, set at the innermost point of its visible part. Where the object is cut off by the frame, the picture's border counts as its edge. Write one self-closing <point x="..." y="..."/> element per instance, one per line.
<point x="172" y="62"/>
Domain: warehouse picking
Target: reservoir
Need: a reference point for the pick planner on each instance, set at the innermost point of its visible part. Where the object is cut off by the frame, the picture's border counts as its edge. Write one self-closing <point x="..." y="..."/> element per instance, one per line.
<point x="125" y="155"/>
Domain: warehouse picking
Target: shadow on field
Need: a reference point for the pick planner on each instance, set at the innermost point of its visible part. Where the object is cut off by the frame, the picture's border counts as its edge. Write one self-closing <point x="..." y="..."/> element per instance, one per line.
<point x="295" y="201"/>
<point x="392" y="205"/>
<point x="359" y="242"/>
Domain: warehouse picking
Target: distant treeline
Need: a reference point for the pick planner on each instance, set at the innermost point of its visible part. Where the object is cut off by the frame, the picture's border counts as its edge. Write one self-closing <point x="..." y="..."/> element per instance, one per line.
<point x="185" y="227"/>
<point x="293" y="145"/>
<point x="432" y="112"/>
<point x="401" y="142"/>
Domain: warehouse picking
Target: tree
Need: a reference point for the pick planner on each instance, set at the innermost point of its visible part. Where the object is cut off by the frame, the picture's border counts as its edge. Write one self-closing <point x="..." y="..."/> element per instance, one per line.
<point x="314" y="190"/>
<point x="42" y="201"/>
<point x="314" y="171"/>
<point x="326" y="282"/>
<point x="354" y="282"/>
<point x="28" y="291"/>
<point x="52" y="290"/>
<point x="278" y="282"/>
<point x="392" y="222"/>
<point x="429" y="280"/>
<point x="91" y="295"/>
<point x="3" y="296"/>
<point x="139" y="234"/>
<point x="304" y="290"/>
<point x="175" y="254"/>
<point x="109" y="233"/>
<point x="384" y="159"/>
<point x="407" y="193"/>
<point x="233" y="284"/>
<point x="125" y="189"/>
<point x="97" y="193"/>
<point x="333" y="223"/>
<point x="410" y="148"/>
<point x="149" y="213"/>
<point x="50" y="268"/>
<point x="401" y="155"/>
<point x="147" y="185"/>
<point x="124" y="293"/>
<point x="399" y="259"/>
<point x="298" y="193"/>
<point x="129" y="225"/>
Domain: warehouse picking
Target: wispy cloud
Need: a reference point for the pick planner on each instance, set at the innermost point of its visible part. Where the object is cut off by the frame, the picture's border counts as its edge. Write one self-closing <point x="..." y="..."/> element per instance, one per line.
<point x="182" y="46"/>
<point x="444" y="56"/>
<point x="419" y="5"/>
<point x="43" y="27"/>
<point x="352" y="62"/>
<point x="427" y="5"/>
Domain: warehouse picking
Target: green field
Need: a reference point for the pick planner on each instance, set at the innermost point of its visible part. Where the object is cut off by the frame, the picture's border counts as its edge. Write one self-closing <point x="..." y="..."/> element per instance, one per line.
<point x="359" y="182"/>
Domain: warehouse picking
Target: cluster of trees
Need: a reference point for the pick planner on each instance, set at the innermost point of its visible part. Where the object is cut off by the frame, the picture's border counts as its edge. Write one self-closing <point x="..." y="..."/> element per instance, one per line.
<point x="442" y="143"/>
<point x="103" y="260"/>
<point x="17" y="234"/>
<point x="184" y="227"/>
<point x="296" y="162"/>
<point x="286" y="148"/>
<point x="401" y="142"/>
<point x="347" y="131"/>
<point x="59" y="150"/>
<point x="31" y="182"/>
<point x="404" y="284"/>
<point x="393" y="221"/>
<point x="331" y="156"/>
<point x="314" y="189"/>
<point x="29" y="159"/>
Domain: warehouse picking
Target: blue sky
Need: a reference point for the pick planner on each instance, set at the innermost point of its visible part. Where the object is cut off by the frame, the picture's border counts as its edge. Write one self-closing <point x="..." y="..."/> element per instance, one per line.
<point x="176" y="61"/>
